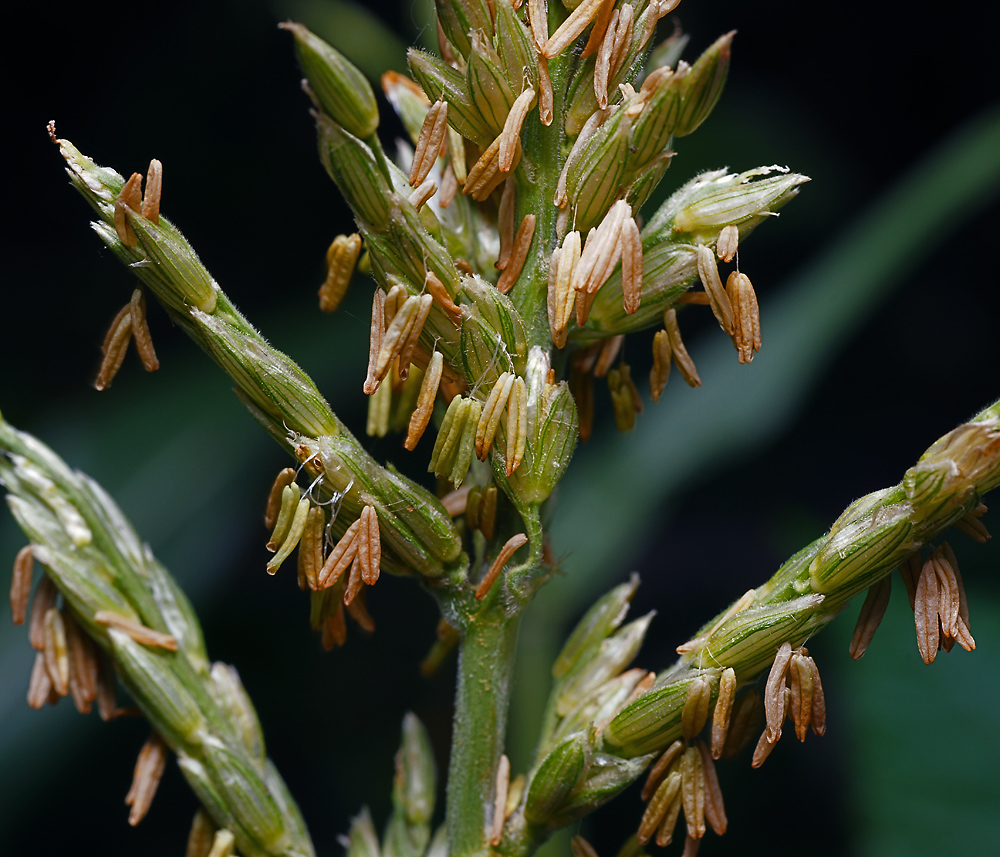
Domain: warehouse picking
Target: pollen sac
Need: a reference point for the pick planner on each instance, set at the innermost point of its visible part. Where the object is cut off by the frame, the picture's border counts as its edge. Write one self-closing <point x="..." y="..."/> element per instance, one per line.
<point x="341" y="89"/>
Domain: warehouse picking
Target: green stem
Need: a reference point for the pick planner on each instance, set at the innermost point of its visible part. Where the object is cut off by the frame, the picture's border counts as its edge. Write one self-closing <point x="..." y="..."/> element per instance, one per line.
<point x="482" y="697"/>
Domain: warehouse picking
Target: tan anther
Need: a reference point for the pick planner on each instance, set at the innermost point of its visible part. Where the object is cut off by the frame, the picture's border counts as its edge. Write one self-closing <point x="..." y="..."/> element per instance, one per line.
<point x="508" y="550"/>
<point x="545" y="100"/>
<point x="963" y="636"/>
<point x="56" y="651"/>
<point x="518" y="254"/>
<point x="800" y="692"/>
<point x="610" y="348"/>
<point x="581" y="847"/>
<point x="727" y="243"/>
<point x="602" y="67"/>
<point x="130" y="197"/>
<point x="454" y="502"/>
<point x="83" y="665"/>
<point x="693" y="792"/>
<point x="334" y="631"/>
<point x="818" y="717"/>
<point x="39" y="685"/>
<point x="571" y="28"/>
<point x="140" y="330"/>
<point x="655" y="11"/>
<point x="341" y="557"/>
<point x="369" y="546"/>
<point x="510" y="146"/>
<point x="421" y="415"/>
<point x="489" y="419"/>
<point x="517" y="425"/>
<point x="311" y="548"/>
<point x="948" y="595"/>
<point x="429" y="142"/>
<point x="696" y="705"/>
<point x="723" y="711"/>
<point x="146" y="777"/>
<point x="45" y="599"/>
<point x="358" y="608"/>
<point x="20" y="584"/>
<point x="505" y="222"/>
<point x="584" y="301"/>
<point x="115" y="345"/>
<point x="375" y="340"/>
<point x="136" y="630"/>
<point x="154" y="190"/>
<point x="444" y="46"/>
<point x="708" y="272"/>
<point x="486" y="175"/>
<point x="424" y="303"/>
<point x="538" y="20"/>
<point x="660" y="769"/>
<point x="631" y="266"/>
<point x="685" y="365"/>
<point x="691" y="846"/>
<point x="285" y="477"/>
<point x="602" y="250"/>
<point x="746" y="315"/>
<point x="500" y="799"/>
<point x="488" y="511"/>
<point x="199" y="842"/>
<point x="774" y="700"/>
<point x="926" y="602"/>
<point x="970" y="525"/>
<point x="561" y="295"/>
<point x="422" y="193"/>
<point x="660" y="803"/>
<point x="870" y="616"/>
<point x="449" y="187"/>
<point x="441" y="297"/>
<point x="660" y="373"/>
<point x="623" y="39"/>
<point x="762" y="750"/>
<point x="354" y="582"/>
<point x="715" y="809"/>
<point x="107" y="691"/>
<point x="599" y="31"/>
<point x="396" y="335"/>
<point x="665" y="832"/>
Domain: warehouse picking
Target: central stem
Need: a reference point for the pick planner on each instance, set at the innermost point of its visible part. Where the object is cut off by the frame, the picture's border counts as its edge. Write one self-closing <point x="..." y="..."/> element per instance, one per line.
<point x="482" y="698"/>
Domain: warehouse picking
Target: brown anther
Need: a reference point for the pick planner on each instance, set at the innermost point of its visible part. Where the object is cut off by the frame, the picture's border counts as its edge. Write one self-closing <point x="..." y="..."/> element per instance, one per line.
<point x="508" y="550"/>
<point x="441" y="297"/>
<point x="369" y="546"/>
<point x="20" y="584"/>
<point x="693" y="792"/>
<point x="660" y="769"/>
<point x="341" y="557"/>
<point x="743" y="724"/>
<point x="538" y="20"/>
<point x="455" y="502"/>
<point x="107" y="692"/>
<point x="872" y="611"/>
<point x="334" y="630"/>
<point x="727" y="242"/>
<point x="693" y="299"/>
<point x="696" y="705"/>
<point x="500" y="799"/>
<point x="715" y="809"/>
<point x="136" y="630"/>
<point x="691" y="846"/>
<point x="449" y="187"/>
<point x="602" y="249"/>
<point x="685" y="365"/>
<point x="140" y="330"/>
<point x="146" y="777"/>
<point x="800" y="692"/>
<point x="150" y="208"/>
<point x="602" y="67"/>
<point x="429" y="143"/>
<point x="311" y="548"/>
<point x="567" y="32"/>
<point x="909" y="570"/>
<point x="600" y="28"/>
<point x="708" y="271"/>
<point x="358" y="608"/>
<point x="84" y="665"/>
<point x="561" y="294"/>
<point x="622" y="42"/>
<point x="488" y="511"/>
<point x="55" y="651"/>
<point x="130" y="197"/>
<point x="606" y="356"/>
<point x="39" y="685"/>
<point x="510" y="146"/>
<point x="660" y="373"/>
<point x="774" y="692"/>
<point x="375" y="340"/>
<point x="425" y="301"/>
<point x="199" y="842"/>
<point x="45" y="599"/>
<point x="970" y="525"/>
<point x="746" y="315"/>
<point x="948" y="597"/>
<point x="818" y="717"/>
<point x="505" y="222"/>
<point x="517" y="426"/>
<point x="631" y="266"/>
<point x="723" y="711"/>
<point x="762" y="751"/>
<point x="284" y="477"/>
<point x="354" y="582"/>
<point x="518" y="254"/>
<point x="421" y="415"/>
<point x="545" y="99"/>
<point x="397" y="334"/>
<point x="925" y="608"/>
<point x="486" y="174"/>
<point x="963" y="636"/>
<point x="115" y="344"/>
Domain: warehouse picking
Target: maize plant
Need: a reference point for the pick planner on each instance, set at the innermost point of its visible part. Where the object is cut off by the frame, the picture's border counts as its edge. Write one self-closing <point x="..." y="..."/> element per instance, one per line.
<point x="520" y="243"/>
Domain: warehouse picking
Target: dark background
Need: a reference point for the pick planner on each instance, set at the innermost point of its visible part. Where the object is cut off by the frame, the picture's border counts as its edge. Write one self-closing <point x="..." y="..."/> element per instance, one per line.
<point x="855" y="97"/>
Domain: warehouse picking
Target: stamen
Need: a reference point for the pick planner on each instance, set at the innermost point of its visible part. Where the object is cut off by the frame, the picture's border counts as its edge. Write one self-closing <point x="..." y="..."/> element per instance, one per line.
<point x="413" y="338"/>
<point x="140" y="330"/>
<point x="500" y="799"/>
<point x="631" y="266"/>
<point x="658" y="809"/>
<point x="311" y="548"/>
<point x="136" y="630"/>
<point x="55" y="651"/>
<point x="715" y="810"/>
<point x="39" y="685"/>
<point x="358" y="608"/>
<point x="486" y="175"/>
<point x="800" y="692"/>
<point x="545" y="99"/>
<point x="665" y="832"/>
<point x="489" y="419"/>
<point x="505" y="222"/>
<point x="369" y="546"/>
<point x="285" y="477"/>
<point x="375" y="340"/>
<point x="506" y="552"/>
<point x="146" y="778"/>
<point x="538" y="20"/>
<point x="708" y="271"/>
<point x="432" y="137"/>
<point x="423" y="193"/>
<point x="723" y="711"/>
<point x="872" y="611"/>
<point x="456" y="502"/>
<point x="425" y="401"/>
<point x="660" y="373"/>
<point x="449" y="187"/>
<point x="746" y="315"/>
<point x="295" y="529"/>
<point x="727" y="242"/>
<point x="83" y="665"/>
<point x="45" y="599"/>
<point x="602" y="68"/>
<point x="154" y="190"/>
<point x="909" y="570"/>
<point x="354" y="581"/>
<point x="107" y="692"/>
<point x="396" y="335"/>
<point x="129" y="197"/>
<point x="510" y="136"/>
<point x="517" y="425"/>
<point x="693" y="792"/>
<point x="571" y="28"/>
<point x="695" y="712"/>
<point x="743" y="723"/>
<point x="518" y="254"/>
<point x="925" y="609"/>
<point x="606" y="356"/>
<point x="340" y="557"/>
<point x="601" y="24"/>
<point x="685" y="365"/>
<point x="660" y="768"/>
<point x="20" y="584"/>
<point x="774" y="702"/>
<point x="962" y="634"/>
<point x="334" y="632"/>
<point x="440" y="294"/>
<point x="115" y="344"/>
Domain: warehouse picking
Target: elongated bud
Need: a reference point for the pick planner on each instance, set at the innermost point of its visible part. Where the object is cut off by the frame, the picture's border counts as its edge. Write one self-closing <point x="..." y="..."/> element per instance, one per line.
<point x="341" y="89"/>
<point x="414" y="785"/>
<point x="599" y="622"/>
<point x="352" y="166"/>
<point x="703" y="85"/>
<point x="555" y="779"/>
